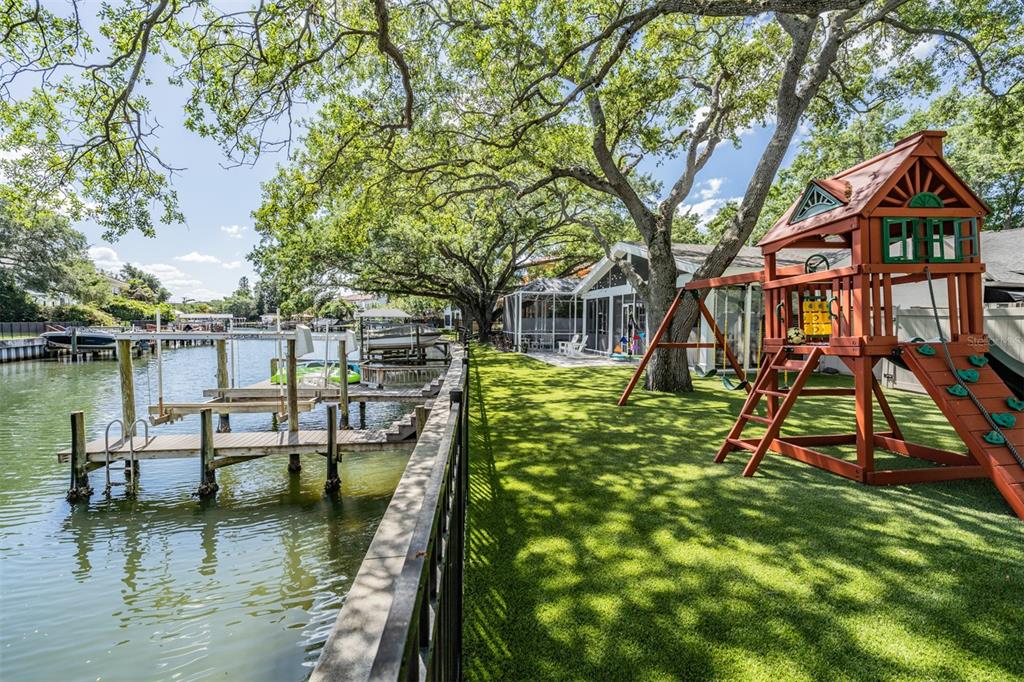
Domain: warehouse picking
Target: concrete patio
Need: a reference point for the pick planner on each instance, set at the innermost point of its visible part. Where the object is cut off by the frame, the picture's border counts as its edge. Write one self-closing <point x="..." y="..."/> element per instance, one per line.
<point x="587" y="360"/>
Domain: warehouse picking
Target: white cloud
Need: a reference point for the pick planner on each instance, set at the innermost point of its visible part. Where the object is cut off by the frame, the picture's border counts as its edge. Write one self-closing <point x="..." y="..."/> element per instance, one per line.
<point x="232" y="265"/>
<point x="170" y="276"/>
<point x="711" y="187"/>
<point x="925" y="48"/>
<point x="233" y="231"/>
<point x="706" y="209"/>
<point x="105" y="258"/>
<point x="202" y="294"/>
<point x="196" y="257"/>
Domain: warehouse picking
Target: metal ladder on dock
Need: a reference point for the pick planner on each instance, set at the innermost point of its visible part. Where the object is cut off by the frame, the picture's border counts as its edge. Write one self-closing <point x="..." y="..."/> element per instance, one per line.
<point x="130" y="482"/>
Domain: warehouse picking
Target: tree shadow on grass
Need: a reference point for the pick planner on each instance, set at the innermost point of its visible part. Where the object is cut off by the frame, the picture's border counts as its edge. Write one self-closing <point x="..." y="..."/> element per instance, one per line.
<point x="605" y="544"/>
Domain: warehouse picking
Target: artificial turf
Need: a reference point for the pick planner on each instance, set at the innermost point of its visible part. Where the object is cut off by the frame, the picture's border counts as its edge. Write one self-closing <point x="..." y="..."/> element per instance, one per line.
<point x="604" y="543"/>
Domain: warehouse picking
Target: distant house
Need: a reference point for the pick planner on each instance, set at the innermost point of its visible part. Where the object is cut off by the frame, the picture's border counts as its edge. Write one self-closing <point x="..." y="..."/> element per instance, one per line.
<point x="1003" y="296"/>
<point x="117" y="286"/>
<point x="364" y="301"/>
<point x="605" y="308"/>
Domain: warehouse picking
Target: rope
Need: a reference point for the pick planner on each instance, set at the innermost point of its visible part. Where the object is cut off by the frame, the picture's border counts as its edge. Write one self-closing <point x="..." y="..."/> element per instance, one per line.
<point x="952" y="369"/>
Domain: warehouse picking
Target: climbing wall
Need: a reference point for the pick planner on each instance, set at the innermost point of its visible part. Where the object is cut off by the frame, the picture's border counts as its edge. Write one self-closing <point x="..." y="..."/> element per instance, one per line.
<point x="932" y="369"/>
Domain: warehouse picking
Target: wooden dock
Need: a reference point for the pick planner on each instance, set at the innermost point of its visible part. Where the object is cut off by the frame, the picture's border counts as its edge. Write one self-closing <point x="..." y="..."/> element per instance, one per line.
<point x="242" y="444"/>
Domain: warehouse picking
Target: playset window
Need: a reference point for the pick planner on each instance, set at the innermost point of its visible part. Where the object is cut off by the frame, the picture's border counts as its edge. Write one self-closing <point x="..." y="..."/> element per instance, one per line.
<point x="900" y="240"/>
<point x="929" y="240"/>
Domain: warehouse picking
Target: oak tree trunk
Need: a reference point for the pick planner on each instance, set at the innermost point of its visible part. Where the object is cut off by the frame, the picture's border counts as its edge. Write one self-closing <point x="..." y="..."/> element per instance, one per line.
<point x="669" y="369"/>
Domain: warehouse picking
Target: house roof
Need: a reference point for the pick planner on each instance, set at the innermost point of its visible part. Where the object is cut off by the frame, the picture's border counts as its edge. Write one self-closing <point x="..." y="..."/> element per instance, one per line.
<point x="688" y="257"/>
<point x="860" y="188"/>
<point x="550" y="285"/>
<point x="1001" y="250"/>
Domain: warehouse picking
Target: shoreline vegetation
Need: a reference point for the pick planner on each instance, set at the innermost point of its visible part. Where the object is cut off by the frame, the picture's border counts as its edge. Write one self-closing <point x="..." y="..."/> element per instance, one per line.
<point x="604" y="543"/>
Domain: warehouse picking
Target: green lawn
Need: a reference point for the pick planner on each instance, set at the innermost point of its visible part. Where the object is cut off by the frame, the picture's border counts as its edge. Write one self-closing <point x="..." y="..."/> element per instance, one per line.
<point x="606" y="544"/>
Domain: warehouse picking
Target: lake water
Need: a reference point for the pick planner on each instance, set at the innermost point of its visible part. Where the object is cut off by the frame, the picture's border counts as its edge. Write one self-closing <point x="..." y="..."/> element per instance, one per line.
<point x="164" y="587"/>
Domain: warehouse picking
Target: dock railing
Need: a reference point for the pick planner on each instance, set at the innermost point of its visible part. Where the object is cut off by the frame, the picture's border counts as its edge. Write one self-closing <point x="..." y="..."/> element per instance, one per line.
<point x="402" y="619"/>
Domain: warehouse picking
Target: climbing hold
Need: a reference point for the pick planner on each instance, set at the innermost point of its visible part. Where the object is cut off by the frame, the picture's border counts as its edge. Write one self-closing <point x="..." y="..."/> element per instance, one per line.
<point x="926" y="349"/>
<point x="1004" y="419"/>
<point x="978" y="360"/>
<point x="1015" y="404"/>
<point x="994" y="437"/>
<point x="957" y="390"/>
<point x="968" y="375"/>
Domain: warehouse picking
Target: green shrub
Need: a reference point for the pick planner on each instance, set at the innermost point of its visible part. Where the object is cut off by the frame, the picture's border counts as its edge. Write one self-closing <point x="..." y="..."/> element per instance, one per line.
<point x="79" y="312"/>
<point x="128" y="309"/>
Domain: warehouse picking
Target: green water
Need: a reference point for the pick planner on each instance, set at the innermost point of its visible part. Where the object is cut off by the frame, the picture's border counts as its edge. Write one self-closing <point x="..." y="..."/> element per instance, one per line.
<point x="164" y="587"/>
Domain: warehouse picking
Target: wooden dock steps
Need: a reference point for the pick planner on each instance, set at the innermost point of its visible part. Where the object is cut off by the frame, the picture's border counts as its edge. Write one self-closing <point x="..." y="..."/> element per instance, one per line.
<point x="239" y="444"/>
<point x="933" y="372"/>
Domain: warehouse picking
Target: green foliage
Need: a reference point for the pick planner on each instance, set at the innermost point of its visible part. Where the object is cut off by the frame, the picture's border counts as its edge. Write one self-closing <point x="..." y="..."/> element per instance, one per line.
<point x="85" y="283"/>
<point x="36" y="247"/>
<point x="337" y="309"/>
<point x="80" y="312"/>
<point x="128" y="309"/>
<point x="419" y="306"/>
<point x="15" y="303"/>
<point x="143" y="286"/>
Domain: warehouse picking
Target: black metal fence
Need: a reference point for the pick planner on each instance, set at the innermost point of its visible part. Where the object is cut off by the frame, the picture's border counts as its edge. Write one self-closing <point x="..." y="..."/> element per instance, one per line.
<point x="420" y="638"/>
<point x="423" y="637"/>
<point x="16" y="330"/>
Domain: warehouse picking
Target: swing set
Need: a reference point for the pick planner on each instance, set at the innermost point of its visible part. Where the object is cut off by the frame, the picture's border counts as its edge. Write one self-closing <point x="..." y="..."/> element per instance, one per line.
<point x="728" y="357"/>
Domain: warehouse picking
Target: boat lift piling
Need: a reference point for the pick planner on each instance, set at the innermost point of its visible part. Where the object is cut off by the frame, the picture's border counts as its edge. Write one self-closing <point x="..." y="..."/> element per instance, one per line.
<point x="224" y="420"/>
<point x="343" y="381"/>
<point x="294" y="461"/>
<point x="333" y="482"/>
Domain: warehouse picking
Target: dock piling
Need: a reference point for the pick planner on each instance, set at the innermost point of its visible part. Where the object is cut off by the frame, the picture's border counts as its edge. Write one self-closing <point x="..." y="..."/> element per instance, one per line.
<point x="343" y="381"/>
<point x="333" y="482"/>
<point x="294" y="461"/>
<point x="224" y="420"/>
<point x="207" y="473"/>
<point x="362" y="414"/>
<point x="421" y="419"/>
<point x="79" y="490"/>
<point x="127" y="374"/>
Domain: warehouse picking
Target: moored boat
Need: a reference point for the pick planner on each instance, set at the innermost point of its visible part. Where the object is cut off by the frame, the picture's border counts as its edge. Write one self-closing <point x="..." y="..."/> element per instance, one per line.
<point x="83" y="339"/>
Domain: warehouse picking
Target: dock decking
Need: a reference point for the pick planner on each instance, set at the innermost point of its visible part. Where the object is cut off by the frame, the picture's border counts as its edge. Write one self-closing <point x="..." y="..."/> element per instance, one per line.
<point x="242" y="444"/>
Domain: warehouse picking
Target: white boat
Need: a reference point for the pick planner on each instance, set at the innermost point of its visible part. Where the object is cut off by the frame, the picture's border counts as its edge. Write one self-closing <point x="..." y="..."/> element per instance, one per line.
<point x="402" y="336"/>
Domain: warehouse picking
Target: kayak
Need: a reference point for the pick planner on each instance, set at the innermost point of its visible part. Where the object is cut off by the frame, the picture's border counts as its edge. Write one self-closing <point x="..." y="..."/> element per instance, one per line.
<point x="315" y="369"/>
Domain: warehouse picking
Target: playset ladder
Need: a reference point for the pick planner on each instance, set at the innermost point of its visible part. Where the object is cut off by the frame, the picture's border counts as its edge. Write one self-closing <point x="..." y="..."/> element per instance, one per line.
<point x="933" y="372"/>
<point x="767" y="386"/>
<point x="663" y="328"/>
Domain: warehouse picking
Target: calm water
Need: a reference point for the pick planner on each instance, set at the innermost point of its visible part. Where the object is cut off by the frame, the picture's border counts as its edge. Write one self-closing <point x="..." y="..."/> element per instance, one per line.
<point x="164" y="587"/>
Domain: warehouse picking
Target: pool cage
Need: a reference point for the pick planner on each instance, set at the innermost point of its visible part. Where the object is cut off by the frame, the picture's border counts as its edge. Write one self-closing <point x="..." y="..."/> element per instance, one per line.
<point x="541" y="314"/>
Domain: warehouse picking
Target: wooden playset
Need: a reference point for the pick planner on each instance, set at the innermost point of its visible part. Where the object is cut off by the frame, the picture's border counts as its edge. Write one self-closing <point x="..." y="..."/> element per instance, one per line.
<point x="902" y="217"/>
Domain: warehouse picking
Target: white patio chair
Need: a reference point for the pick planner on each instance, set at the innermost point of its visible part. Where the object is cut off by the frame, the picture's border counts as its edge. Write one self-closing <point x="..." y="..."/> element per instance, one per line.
<point x="564" y="346"/>
<point x="575" y="350"/>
